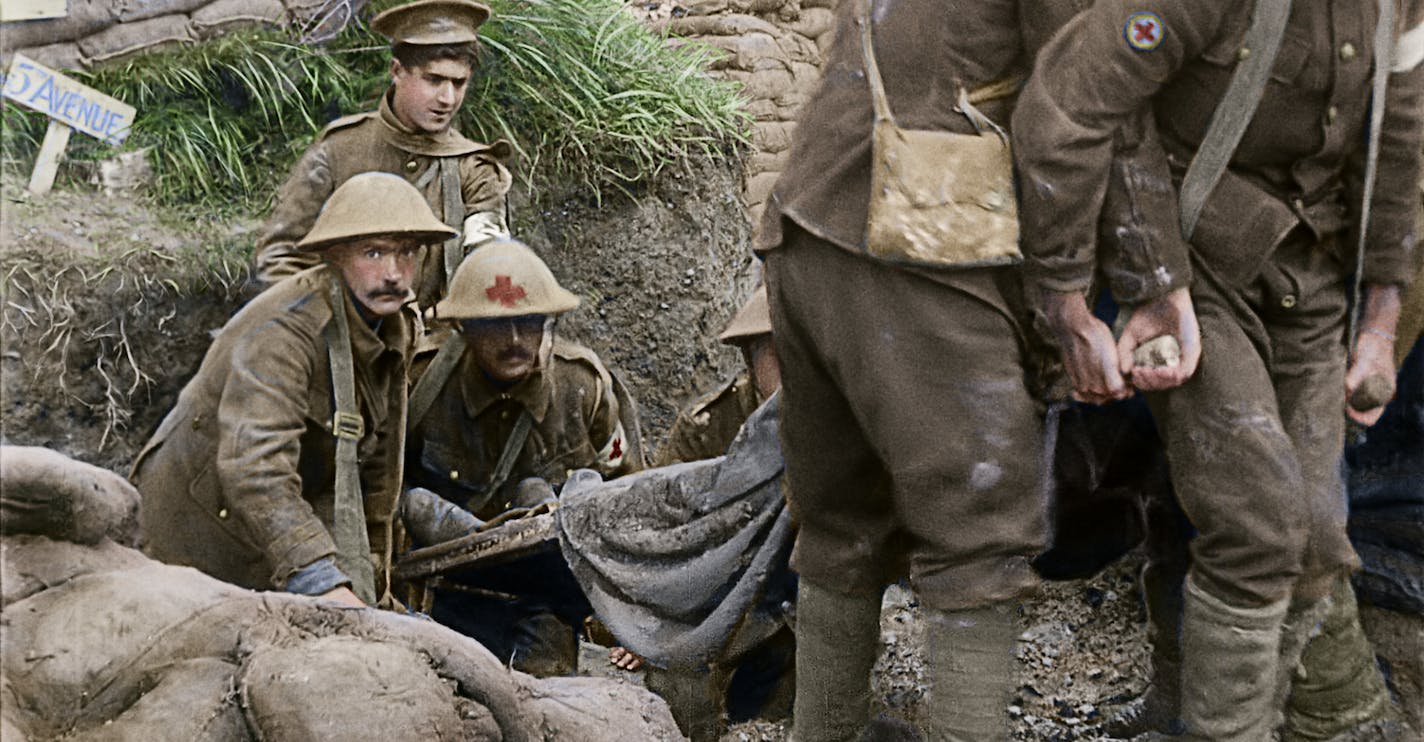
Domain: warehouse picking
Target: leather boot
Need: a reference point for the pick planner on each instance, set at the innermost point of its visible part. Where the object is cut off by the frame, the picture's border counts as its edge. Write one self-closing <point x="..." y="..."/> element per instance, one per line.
<point x="1229" y="659"/>
<point x="1159" y="708"/>
<point x="837" y="641"/>
<point x="972" y="673"/>
<point x="1338" y="686"/>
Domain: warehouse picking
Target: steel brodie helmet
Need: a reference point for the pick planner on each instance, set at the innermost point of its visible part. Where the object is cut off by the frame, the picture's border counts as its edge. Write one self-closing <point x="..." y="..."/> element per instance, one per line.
<point x="503" y="278"/>
<point x="374" y="204"/>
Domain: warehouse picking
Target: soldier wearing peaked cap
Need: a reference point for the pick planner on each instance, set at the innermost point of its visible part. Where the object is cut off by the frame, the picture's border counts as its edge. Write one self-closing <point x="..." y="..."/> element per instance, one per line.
<point x="411" y="134"/>
<point x="279" y="466"/>
<point x="500" y="416"/>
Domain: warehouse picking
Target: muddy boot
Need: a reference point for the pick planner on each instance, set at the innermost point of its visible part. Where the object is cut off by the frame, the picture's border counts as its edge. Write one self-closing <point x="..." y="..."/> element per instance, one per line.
<point x="695" y="698"/>
<point x="837" y="640"/>
<point x="1302" y="625"/>
<point x="1159" y="708"/>
<point x="971" y="668"/>
<point x="1338" y="686"/>
<point x="1229" y="658"/>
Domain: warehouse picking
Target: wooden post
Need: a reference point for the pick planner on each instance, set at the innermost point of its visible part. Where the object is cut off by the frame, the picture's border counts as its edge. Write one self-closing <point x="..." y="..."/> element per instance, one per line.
<point x="47" y="164"/>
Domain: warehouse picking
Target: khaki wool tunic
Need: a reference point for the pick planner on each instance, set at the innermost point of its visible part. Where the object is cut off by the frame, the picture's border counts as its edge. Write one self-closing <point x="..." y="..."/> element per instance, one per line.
<point x="579" y="422"/>
<point x="377" y="140"/>
<point x="707" y="426"/>
<point x="1255" y="436"/>
<point x="238" y="481"/>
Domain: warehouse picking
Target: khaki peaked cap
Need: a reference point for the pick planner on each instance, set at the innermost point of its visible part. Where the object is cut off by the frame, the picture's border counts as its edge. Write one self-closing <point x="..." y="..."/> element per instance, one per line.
<point x="432" y="22"/>
<point x="503" y="278"/>
<point x="374" y="204"/>
<point x="753" y="319"/>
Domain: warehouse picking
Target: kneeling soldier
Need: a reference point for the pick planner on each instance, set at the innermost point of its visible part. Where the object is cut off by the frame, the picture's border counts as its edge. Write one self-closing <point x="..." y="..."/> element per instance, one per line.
<point x="279" y="467"/>
<point x="499" y="418"/>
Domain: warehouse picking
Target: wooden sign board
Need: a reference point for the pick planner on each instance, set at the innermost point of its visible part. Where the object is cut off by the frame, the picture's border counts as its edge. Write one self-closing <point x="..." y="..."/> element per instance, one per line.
<point x="69" y="105"/>
<point x="41" y="89"/>
<point x="29" y="10"/>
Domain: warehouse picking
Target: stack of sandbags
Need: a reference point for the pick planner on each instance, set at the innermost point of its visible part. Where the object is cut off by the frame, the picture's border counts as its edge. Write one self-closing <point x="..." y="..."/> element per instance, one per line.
<point x="98" y="31"/>
<point x="102" y="643"/>
<point x="773" y="48"/>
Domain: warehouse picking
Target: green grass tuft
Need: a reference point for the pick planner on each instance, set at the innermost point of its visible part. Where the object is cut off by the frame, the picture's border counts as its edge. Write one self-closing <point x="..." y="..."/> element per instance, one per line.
<point x="583" y="91"/>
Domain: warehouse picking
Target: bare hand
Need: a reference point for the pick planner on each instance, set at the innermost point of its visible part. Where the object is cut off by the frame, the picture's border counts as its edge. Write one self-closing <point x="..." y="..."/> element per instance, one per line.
<point x="1089" y="353"/>
<point x="343" y="596"/>
<point x="1170" y="315"/>
<point x="1374" y="348"/>
<point x="624" y="659"/>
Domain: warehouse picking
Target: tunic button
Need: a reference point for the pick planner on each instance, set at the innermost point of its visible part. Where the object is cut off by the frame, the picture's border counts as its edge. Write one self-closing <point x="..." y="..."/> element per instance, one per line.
<point x="1288" y="301"/>
<point x="1244" y="54"/>
<point x="411" y="166"/>
<point x="1330" y="114"/>
<point x="222" y="514"/>
<point x="1347" y="51"/>
<point x="504" y="415"/>
<point x="454" y="474"/>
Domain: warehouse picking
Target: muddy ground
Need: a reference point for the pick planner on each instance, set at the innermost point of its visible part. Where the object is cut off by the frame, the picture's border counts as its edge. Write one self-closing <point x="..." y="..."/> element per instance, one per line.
<point x="108" y="305"/>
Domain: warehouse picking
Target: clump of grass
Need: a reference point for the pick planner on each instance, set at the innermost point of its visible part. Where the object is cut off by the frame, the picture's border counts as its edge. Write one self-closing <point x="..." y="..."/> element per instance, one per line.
<point x="583" y="91"/>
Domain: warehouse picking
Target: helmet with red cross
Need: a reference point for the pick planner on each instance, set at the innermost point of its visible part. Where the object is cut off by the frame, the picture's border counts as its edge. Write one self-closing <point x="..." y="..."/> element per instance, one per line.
<point x="503" y="278"/>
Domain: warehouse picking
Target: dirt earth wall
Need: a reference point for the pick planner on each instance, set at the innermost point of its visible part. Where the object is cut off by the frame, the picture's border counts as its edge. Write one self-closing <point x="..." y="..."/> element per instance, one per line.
<point x="99" y="329"/>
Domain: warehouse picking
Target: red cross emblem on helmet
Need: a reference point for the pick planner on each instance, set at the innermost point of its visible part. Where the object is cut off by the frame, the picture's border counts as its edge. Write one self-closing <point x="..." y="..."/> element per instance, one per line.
<point x="505" y="291"/>
<point x="1143" y="31"/>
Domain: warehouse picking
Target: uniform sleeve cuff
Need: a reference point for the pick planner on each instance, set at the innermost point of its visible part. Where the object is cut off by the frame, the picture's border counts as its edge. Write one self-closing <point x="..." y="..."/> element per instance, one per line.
<point x="319" y="577"/>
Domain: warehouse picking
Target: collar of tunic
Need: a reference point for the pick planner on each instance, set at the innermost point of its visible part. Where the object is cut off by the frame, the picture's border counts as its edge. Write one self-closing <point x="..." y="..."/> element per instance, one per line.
<point x="448" y="143"/>
<point x="533" y="393"/>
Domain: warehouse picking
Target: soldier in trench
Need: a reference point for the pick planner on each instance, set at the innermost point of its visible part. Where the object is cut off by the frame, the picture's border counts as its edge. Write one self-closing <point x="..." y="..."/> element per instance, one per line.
<point x="434" y="51"/>
<point x="497" y="424"/>
<point x="278" y="468"/>
<point x="1253" y="433"/>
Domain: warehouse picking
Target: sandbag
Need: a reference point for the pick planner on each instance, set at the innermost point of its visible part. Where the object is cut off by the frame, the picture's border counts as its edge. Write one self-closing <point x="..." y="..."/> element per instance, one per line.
<point x="84" y="17"/>
<point x="214" y="18"/>
<point x="814" y="22"/>
<point x="283" y="701"/>
<point x="63" y="56"/>
<point x="29" y="564"/>
<point x="127" y="39"/>
<point x="49" y="494"/>
<point x="142" y="10"/>
<point x="590" y="709"/>
<point x="144" y="615"/>
<point x="194" y="701"/>
<point x="720" y="25"/>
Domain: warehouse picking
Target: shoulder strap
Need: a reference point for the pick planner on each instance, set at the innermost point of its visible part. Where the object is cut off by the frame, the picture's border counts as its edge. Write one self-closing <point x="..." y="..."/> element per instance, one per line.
<point x="454" y="203"/>
<point x="1384" y="48"/>
<point x="1238" y="105"/>
<point x="872" y="69"/>
<point x="353" y="545"/>
<point x="428" y="387"/>
<point x="512" y="447"/>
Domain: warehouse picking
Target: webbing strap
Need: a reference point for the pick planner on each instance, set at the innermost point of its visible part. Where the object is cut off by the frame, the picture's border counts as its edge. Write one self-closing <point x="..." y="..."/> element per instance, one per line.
<point x="428" y="387"/>
<point x="512" y="447"/>
<point x="453" y="202"/>
<point x="1384" y="48"/>
<point x="353" y="544"/>
<point x="1238" y="105"/>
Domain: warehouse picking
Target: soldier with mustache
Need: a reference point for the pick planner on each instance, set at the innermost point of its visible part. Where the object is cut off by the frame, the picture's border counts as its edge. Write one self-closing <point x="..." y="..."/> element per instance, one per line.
<point x="279" y="466"/>
<point x="434" y="51"/>
<point x="499" y="418"/>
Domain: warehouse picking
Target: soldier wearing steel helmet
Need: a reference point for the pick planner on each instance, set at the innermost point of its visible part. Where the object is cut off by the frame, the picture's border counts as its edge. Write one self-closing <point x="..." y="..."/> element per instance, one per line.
<point x="707" y="426"/>
<point x="253" y="476"/>
<point x="500" y="416"/>
<point x="411" y="134"/>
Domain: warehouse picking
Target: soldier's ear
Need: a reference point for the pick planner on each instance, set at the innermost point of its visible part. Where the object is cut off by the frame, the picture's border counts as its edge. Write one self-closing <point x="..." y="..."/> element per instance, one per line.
<point x="396" y="69"/>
